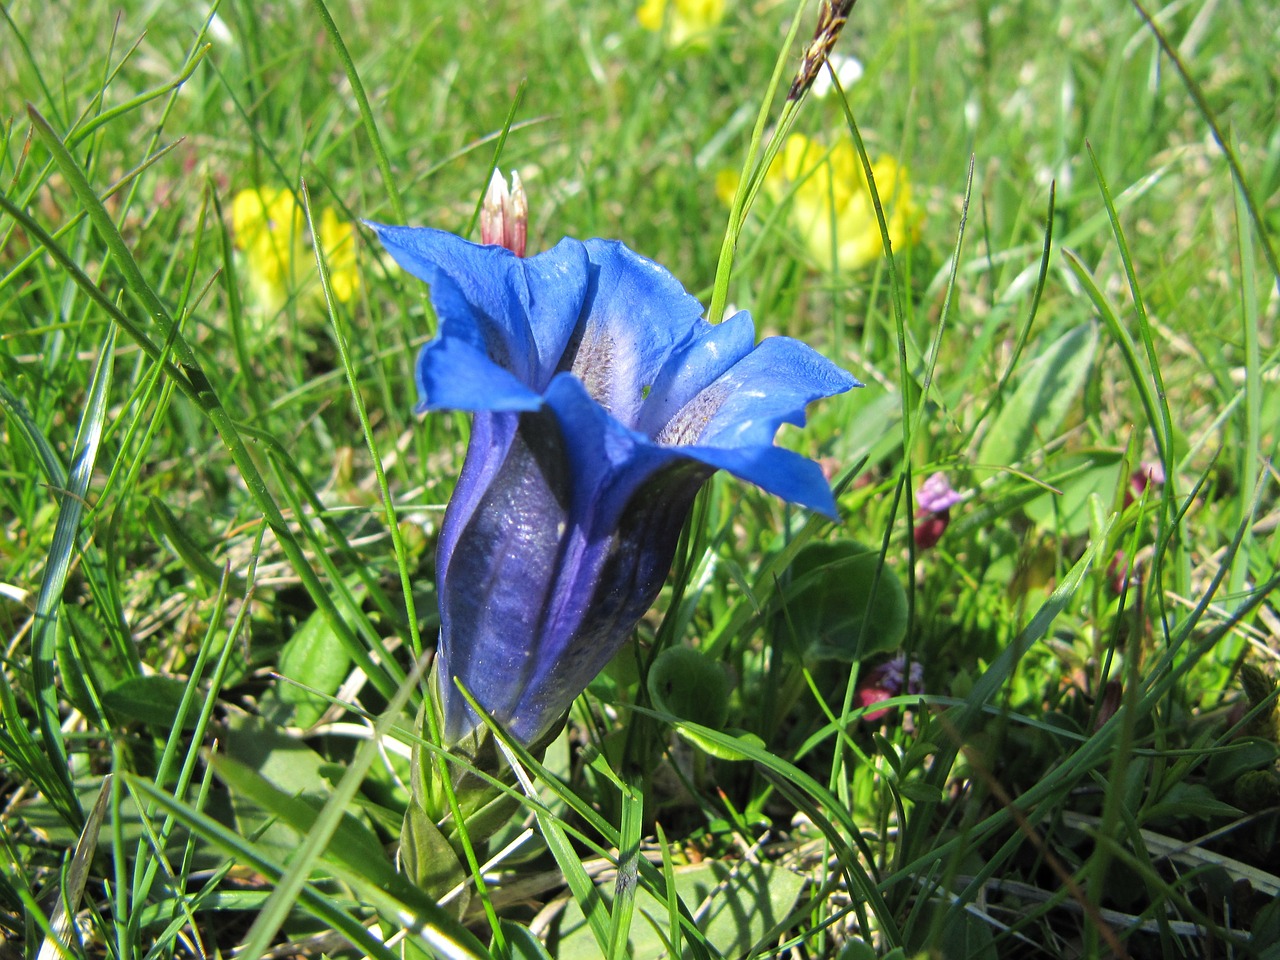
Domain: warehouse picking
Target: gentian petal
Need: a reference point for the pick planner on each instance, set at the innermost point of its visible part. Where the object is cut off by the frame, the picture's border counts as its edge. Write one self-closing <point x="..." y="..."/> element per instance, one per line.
<point x="779" y="471"/>
<point x="521" y="312"/>
<point x="498" y="554"/>
<point x="770" y="386"/>
<point x="453" y="374"/>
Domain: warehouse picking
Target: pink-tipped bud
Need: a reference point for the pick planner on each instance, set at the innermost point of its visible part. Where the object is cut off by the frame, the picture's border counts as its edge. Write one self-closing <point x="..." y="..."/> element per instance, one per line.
<point x="516" y="231"/>
<point x="928" y="531"/>
<point x="504" y="215"/>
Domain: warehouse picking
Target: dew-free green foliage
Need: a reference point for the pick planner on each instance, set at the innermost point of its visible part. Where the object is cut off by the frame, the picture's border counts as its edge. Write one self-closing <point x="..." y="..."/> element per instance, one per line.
<point x="218" y="513"/>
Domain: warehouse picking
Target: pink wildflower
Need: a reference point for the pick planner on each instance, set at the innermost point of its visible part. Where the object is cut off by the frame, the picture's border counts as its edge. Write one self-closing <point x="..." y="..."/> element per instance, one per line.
<point x="935" y="499"/>
<point x="889" y="679"/>
<point x="1150" y="473"/>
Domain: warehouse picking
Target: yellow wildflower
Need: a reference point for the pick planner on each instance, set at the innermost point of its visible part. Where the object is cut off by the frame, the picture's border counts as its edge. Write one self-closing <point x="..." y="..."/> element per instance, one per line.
<point x="268" y="227"/>
<point x="827" y="189"/>
<point x="683" y="21"/>
<point x="270" y="230"/>
<point x="338" y="241"/>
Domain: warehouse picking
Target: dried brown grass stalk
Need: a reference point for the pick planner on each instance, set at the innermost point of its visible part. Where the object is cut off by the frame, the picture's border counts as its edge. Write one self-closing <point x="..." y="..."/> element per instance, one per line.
<point x="831" y="21"/>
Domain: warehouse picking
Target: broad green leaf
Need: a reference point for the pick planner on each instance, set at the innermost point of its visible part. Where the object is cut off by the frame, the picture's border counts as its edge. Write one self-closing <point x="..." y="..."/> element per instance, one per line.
<point x="1242" y="756"/>
<point x="688" y="684"/>
<point x="1046" y="390"/>
<point x="353" y="844"/>
<point x="170" y="532"/>
<point x="959" y="933"/>
<point x="1091" y="472"/>
<point x="1189" y="800"/>
<point x="427" y="858"/>
<point x="522" y="944"/>
<point x="280" y="758"/>
<point x="841" y="604"/>
<point x="316" y="657"/>
<point x="80" y="634"/>
<point x="857" y="950"/>
<point x="735" y="905"/>
<point x="153" y="700"/>
<point x="920" y="791"/>
<point x="718" y="748"/>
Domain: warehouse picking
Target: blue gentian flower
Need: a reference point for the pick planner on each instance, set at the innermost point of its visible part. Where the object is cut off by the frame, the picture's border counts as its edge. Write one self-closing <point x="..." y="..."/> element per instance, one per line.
<point x="601" y="403"/>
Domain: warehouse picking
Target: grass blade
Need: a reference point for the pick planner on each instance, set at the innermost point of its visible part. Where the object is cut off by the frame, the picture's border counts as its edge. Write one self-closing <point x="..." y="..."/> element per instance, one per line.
<point x="84" y="458"/>
<point x="201" y="389"/>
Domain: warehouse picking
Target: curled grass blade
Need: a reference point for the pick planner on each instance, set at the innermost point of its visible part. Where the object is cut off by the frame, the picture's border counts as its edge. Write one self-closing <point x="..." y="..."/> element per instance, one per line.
<point x="1164" y="435"/>
<point x="76" y="878"/>
<point x="66" y="532"/>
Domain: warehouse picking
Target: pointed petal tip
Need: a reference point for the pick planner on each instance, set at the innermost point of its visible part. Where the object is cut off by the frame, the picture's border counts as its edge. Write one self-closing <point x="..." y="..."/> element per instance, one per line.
<point x="817" y="498"/>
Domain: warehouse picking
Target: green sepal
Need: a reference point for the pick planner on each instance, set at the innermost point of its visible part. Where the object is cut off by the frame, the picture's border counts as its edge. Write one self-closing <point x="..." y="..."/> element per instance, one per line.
<point x="432" y="851"/>
<point x="430" y="861"/>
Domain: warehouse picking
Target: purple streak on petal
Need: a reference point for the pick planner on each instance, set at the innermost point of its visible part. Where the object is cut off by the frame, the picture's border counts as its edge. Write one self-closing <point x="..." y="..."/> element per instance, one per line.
<point x="708" y="352"/>
<point x="491" y="438"/>
<point x="770" y="386"/>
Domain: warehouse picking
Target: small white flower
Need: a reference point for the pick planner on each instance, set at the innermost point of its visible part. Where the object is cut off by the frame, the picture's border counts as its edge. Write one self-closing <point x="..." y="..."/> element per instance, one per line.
<point x="848" y="71"/>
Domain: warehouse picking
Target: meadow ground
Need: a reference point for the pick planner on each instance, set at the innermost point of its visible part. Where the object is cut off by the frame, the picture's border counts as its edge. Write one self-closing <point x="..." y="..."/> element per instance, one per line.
<point x="1037" y="717"/>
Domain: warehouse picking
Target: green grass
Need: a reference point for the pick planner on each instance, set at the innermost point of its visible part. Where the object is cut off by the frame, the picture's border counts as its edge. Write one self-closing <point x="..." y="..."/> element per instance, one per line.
<point x="217" y="520"/>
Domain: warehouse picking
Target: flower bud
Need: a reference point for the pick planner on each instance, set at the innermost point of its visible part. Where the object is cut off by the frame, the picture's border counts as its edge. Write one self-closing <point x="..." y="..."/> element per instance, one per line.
<point x="504" y="215"/>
